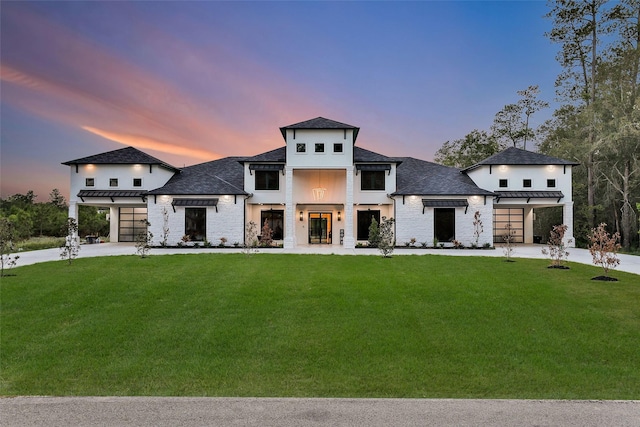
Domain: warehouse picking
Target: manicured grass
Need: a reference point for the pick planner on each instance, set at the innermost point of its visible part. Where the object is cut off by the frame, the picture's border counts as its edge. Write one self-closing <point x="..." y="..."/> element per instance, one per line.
<point x="311" y="325"/>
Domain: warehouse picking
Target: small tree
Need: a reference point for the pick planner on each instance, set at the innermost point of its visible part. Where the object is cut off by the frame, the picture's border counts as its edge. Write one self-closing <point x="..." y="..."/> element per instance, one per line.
<point x="69" y="250"/>
<point x="508" y="242"/>
<point x="557" y="250"/>
<point x="165" y="227"/>
<point x="604" y="248"/>
<point x="374" y="233"/>
<point x="251" y="238"/>
<point x="387" y="241"/>
<point x="143" y="240"/>
<point x="477" y="227"/>
<point x="7" y="230"/>
<point x="266" y="238"/>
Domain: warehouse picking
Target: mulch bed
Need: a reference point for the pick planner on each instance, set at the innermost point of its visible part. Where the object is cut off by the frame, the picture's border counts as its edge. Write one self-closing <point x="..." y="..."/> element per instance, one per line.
<point x="605" y="278"/>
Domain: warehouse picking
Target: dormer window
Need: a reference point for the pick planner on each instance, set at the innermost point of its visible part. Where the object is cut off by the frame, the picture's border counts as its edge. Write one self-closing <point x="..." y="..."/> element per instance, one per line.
<point x="319" y="148"/>
<point x="337" y="148"/>
<point x="301" y="148"/>
<point x="89" y="182"/>
<point x="526" y="183"/>
<point x="503" y="183"/>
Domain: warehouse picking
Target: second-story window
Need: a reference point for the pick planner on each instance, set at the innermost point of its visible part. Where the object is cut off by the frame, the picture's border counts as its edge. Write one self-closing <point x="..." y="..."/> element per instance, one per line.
<point x="267" y="180"/>
<point x="337" y="148"/>
<point x="90" y="182"/>
<point x="137" y="182"/>
<point x="502" y="183"/>
<point x="526" y="183"/>
<point x="113" y="182"/>
<point x="319" y="148"/>
<point x="301" y="148"/>
<point x="551" y="183"/>
<point x="372" y="180"/>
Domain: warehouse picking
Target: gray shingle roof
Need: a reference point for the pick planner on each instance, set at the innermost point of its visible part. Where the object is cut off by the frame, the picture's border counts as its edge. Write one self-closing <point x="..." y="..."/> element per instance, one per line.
<point x="419" y="177"/>
<point x="518" y="156"/>
<point x="223" y="176"/>
<point x="320" y="123"/>
<point x="279" y="155"/>
<point x="360" y="155"/>
<point x="122" y="156"/>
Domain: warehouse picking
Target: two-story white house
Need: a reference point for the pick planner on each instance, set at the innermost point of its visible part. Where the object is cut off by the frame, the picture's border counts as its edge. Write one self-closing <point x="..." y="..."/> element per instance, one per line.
<point x="320" y="188"/>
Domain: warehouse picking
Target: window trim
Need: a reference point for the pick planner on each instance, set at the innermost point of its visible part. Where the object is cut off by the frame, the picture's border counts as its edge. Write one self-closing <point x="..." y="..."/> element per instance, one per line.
<point x="372" y="181"/>
<point x="268" y="215"/>
<point x="437" y="217"/>
<point x="275" y="174"/>
<point x="204" y="224"/>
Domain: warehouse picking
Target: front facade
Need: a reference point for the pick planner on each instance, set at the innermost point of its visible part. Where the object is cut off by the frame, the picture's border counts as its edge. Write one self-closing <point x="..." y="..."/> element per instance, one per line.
<point x="320" y="188"/>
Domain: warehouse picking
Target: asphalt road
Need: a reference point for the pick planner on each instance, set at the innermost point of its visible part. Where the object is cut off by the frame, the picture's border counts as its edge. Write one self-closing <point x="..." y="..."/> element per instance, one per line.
<point x="185" y="411"/>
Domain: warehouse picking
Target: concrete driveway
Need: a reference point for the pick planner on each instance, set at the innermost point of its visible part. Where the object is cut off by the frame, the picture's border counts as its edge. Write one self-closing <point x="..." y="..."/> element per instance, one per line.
<point x="158" y="412"/>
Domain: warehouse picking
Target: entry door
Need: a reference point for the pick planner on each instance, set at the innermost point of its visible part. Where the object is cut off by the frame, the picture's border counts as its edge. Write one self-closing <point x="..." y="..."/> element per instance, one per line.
<point x="319" y="228"/>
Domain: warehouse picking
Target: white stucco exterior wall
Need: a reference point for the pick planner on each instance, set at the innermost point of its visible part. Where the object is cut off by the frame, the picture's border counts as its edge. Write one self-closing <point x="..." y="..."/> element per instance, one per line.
<point x="411" y="222"/>
<point x="227" y="222"/>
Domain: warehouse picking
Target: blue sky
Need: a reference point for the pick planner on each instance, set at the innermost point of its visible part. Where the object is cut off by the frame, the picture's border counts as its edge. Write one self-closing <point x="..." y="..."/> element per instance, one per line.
<point x="189" y="82"/>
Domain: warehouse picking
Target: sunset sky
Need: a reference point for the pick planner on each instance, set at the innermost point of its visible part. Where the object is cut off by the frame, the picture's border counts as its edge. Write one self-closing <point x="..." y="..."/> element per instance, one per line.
<point x="189" y="82"/>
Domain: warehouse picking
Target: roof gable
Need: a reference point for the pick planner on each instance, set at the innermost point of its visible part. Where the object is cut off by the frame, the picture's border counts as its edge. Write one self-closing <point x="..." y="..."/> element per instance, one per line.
<point x="320" y="123"/>
<point x="122" y="156"/>
<point x="518" y="156"/>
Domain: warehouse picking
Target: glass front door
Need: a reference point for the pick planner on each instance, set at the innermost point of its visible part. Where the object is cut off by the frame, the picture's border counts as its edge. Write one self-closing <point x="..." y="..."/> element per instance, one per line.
<point x="319" y="228"/>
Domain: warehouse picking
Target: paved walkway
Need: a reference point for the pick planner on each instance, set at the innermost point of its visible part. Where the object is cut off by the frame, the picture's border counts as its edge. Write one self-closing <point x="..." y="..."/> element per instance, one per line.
<point x="185" y="411"/>
<point x="628" y="263"/>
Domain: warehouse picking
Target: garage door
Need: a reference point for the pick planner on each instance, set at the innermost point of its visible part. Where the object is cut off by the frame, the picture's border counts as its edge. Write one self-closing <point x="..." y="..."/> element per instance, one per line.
<point x="132" y="221"/>
<point x="504" y="216"/>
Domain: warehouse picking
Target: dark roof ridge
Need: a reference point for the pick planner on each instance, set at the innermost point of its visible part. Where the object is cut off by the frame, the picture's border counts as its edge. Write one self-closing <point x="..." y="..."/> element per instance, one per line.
<point x="121" y="156"/>
<point x="320" y="123"/>
<point x="519" y="156"/>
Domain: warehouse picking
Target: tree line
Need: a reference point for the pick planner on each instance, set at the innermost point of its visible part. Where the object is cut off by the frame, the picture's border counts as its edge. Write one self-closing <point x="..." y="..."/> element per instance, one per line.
<point x="31" y="219"/>
<point x="597" y="123"/>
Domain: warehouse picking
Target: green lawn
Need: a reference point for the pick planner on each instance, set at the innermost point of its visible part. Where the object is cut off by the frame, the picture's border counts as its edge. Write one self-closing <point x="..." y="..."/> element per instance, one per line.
<point x="311" y="325"/>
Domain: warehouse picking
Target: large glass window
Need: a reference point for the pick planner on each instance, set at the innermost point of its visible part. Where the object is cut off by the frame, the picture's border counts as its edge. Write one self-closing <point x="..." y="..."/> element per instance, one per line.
<point x="372" y="180"/>
<point x="444" y="224"/>
<point x="267" y="180"/>
<point x="195" y="223"/>
<point x="275" y="220"/>
<point x="364" y="222"/>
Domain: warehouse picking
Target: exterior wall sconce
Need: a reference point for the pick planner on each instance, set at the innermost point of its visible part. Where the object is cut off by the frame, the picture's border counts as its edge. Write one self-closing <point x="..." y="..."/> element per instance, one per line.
<point x="339" y="216"/>
<point x="300" y="215"/>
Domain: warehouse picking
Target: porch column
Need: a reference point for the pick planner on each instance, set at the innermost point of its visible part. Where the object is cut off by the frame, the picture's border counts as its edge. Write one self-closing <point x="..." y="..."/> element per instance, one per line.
<point x="349" y="240"/>
<point x="289" y="211"/>
<point x="567" y="219"/>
